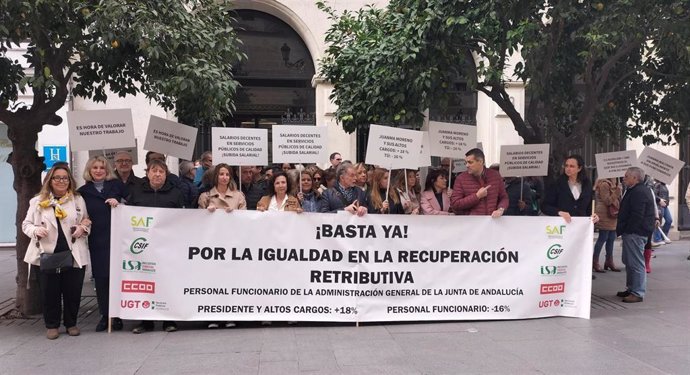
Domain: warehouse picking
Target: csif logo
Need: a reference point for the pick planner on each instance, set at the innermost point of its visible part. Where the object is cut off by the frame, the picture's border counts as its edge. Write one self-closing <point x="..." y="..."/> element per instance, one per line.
<point x="138" y="246"/>
<point x="141" y="223"/>
<point x="137" y="286"/>
<point x="554" y="251"/>
<point x="552" y="288"/>
<point x="555" y="231"/>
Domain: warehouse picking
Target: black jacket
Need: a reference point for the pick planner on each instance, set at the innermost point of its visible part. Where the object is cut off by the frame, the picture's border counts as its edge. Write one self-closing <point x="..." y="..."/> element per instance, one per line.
<point x="99" y="213"/>
<point x="636" y="214"/>
<point x="560" y="198"/>
<point x="168" y="196"/>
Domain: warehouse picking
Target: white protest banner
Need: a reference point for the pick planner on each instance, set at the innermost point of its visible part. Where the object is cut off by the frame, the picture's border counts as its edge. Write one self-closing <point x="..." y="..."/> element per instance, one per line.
<point x="338" y="267"/>
<point x="170" y="138"/>
<point x="659" y="165"/>
<point x="614" y="164"/>
<point x="110" y="153"/>
<point x="451" y="140"/>
<point x="299" y="144"/>
<point x="100" y="129"/>
<point x="395" y="148"/>
<point x="424" y="155"/>
<point x="525" y="160"/>
<point x="239" y="146"/>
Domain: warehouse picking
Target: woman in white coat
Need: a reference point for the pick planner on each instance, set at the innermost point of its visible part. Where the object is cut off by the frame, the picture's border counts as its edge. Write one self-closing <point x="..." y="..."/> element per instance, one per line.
<point x="57" y="222"/>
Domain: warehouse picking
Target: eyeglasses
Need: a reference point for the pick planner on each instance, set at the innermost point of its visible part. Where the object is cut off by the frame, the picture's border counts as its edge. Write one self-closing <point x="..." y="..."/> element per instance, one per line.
<point x="339" y="159"/>
<point x="123" y="161"/>
<point x="60" y="179"/>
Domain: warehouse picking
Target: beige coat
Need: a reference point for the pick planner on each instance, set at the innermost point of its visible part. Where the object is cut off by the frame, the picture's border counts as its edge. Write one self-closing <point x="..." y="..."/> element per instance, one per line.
<point x="37" y="217"/>
<point x="232" y="199"/>
<point x="291" y="205"/>
<point x="607" y="192"/>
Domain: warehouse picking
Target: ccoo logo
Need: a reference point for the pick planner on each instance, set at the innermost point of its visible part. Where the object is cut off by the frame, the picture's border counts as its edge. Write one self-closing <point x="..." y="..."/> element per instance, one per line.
<point x="552" y="288"/>
<point x="136" y="286"/>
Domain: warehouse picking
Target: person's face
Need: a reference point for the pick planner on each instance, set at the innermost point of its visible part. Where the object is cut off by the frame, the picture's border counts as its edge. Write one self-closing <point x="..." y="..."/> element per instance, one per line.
<point x="285" y="167"/>
<point x="441" y="182"/>
<point x="269" y="173"/>
<point x="629" y="179"/>
<point x="280" y="185"/>
<point x="223" y="177"/>
<point x="123" y="163"/>
<point x="411" y="179"/>
<point x="348" y="178"/>
<point x="474" y="166"/>
<point x="156" y="176"/>
<point x="98" y="171"/>
<point x="571" y="168"/>
<point x="336" y="160"/>
<point x="383" y="181"/>
<point x="362" y="176"/>
<point x="317" y="179"/>
<point x="207" y="161"/>
<point x="445" y="164"/>
<point x="247" y="174"/>
<point x="307" y="182"/>
<point x="157" y="155"/>
<point x="59" y="182"/>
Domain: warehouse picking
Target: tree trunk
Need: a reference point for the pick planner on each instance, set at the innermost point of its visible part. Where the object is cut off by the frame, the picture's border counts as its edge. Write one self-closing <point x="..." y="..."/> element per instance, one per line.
<point x="27" y="167"/>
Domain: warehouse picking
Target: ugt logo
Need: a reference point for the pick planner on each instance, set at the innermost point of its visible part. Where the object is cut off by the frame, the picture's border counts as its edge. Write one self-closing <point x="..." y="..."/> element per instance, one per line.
<point x="554" y="251"/>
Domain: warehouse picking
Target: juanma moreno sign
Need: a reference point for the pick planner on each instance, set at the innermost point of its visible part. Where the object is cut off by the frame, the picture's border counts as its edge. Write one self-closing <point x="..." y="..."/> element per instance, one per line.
<point x="339" y="267"/>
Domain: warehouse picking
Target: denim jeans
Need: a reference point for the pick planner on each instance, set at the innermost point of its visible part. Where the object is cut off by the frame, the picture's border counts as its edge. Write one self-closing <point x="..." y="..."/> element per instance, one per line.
<point x="608" y="236"/>
<point x="668" y="220"/>
<point x="633" y="258"/>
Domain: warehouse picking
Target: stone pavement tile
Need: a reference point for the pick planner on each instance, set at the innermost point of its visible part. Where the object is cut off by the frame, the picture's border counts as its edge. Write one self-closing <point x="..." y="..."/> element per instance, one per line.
<point x="434" y="326"/>
<point x="288" y="353"/>
<point x="671" y="359"/>
<point x="378" y="352"/>
<point x="216" y="363"/>
<point x="680" y="317"/>
<point x="278" y="368"/>
<point x="379" y="369"/>
<point x="555" y="356"/>
<point x="363" y="332"/>
<point x="313" y="341"/>
<point x="209" y="341"/>
<point x="524" y="330"/>
<point x="15" y="336"/>
<point x="317" y="360"/>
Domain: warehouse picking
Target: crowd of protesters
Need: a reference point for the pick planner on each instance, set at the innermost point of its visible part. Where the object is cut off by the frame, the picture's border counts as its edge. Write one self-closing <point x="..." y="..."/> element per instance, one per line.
<point x="61" y="216"/>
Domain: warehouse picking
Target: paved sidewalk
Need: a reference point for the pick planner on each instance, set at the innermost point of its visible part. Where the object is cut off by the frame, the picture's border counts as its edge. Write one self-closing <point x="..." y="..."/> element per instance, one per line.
<point x="652" y="337"/>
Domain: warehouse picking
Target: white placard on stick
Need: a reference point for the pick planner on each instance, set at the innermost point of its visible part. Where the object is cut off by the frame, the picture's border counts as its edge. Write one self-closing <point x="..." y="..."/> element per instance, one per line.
<point x="424" y="153"/>
<point x="659" y="165"/>
<point x="110" y="153"/>
<point x="395" y="148"/>
<point x="100" y="129"/>
<point x="239" y="146"/>
<point x="525" y="160"/>
<point x="299" y="144"/>
<point x="614" y="164"/>
<point x="451" y="140"/>
<point x="170" y="138"/>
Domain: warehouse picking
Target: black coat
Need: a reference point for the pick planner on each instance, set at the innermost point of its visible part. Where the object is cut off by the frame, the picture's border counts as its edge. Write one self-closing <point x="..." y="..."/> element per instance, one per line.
<point x="513" y="190"/>
<point x="560" y="198"/>
<point x="636" y="214"/>
<point x="335" y="201"/>
<point x="99" y="213"/>
<point x="168" y="196"/>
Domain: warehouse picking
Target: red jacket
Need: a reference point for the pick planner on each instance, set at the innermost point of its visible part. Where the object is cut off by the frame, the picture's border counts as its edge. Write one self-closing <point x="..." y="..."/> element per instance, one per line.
<point x="464" y="200"/>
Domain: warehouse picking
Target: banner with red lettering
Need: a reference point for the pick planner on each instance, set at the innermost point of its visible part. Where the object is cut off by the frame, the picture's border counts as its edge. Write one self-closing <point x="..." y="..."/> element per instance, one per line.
<point x="174" y="264"/>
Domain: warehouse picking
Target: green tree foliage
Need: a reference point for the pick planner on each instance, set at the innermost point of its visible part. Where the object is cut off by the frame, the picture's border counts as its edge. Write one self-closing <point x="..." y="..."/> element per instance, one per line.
<point x="602" y="67"/>
<point x="175" y="53"/>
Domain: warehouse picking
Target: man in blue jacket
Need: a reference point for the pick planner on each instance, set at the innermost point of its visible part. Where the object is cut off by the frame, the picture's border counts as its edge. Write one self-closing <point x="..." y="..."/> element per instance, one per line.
<point x="636" y="219"/>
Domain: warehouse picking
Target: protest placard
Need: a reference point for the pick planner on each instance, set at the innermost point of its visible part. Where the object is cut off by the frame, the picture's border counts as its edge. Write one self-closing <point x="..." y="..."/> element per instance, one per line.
<point x="239" y="146"/>
<point x="100" y="129"/>
<point x="524" y="160"/>
<point x="659" y="165"/>
<point x="299" y="144"/>
<point x="451" y="140"/>
<point x="170" y="138"/>
<point x="394" y="148"/>
<point x="614" y="164"/>
<point x="110" y="153"/>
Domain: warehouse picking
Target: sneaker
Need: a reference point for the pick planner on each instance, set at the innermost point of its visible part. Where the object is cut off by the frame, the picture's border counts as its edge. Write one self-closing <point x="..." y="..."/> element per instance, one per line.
<point x="230" y="324"/>
<point x="169" y="327"/>
<point x="657" y="244"/>
<point x="668" y="241"/>
<point x="212" y="325"/>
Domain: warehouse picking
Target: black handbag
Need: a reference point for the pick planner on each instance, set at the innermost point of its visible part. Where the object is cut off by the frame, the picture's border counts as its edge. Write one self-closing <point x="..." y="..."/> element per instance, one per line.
<point x="54" y="263"/>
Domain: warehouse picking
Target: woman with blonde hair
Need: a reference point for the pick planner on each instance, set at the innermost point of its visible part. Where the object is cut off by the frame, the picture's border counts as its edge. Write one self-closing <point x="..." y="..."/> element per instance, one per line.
<point x="362" y="176"/>
<point x="310" y="197"/>
<point x="379" y="203"/>
<point x="57" y="223"/>
<point x="101" y="191"/>
<point x="409" y="198"/>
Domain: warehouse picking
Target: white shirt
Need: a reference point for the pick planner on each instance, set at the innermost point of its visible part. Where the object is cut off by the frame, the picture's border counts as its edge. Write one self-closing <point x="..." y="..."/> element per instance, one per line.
<point x="273" y="206"/>
<point x="576" y="189"/>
